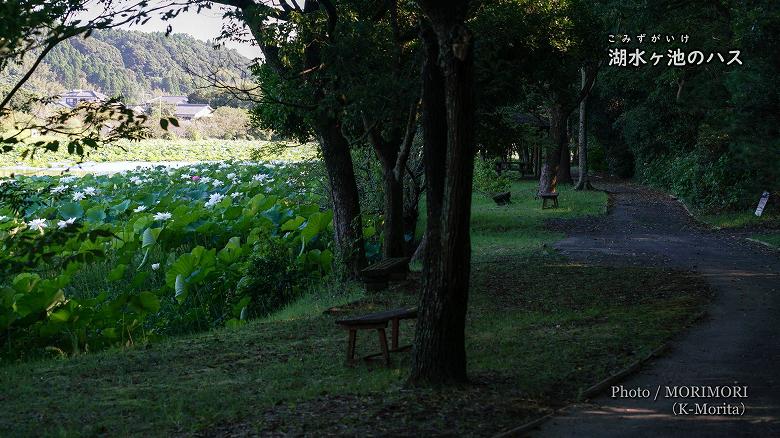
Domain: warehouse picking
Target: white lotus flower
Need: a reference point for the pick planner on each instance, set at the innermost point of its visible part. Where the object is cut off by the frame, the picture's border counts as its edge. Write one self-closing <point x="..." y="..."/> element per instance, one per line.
<point x="59" y="189"/>
<point x="139" y="209"/>
<point x="68" y="179"/>
<point x="37" y="224"/>
<point x="78" y="196"/>
<point x="4" y="218"/>
<point x="214" y="200"/>
<point x="231" y="175"/>
<point x="235" y="194"/>
<point x="135" y="180"/>
<point x="205" y="179"/>
<point x="65" y="223"/>
<point x="155" y="266"/>
<point x="90" y="191"/>
<point x="217" y="183"/>
<point x="162" y="216"/>
<point x="186" y="176"/>
<point x="260" y="177"/>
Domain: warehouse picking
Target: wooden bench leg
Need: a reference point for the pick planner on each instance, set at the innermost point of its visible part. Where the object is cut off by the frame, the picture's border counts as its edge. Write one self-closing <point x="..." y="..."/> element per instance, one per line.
<point x="351" y="347"/>
<point x="555" y="202"/>
<point x="383" y="344"/>
<point x="394" y="340"/>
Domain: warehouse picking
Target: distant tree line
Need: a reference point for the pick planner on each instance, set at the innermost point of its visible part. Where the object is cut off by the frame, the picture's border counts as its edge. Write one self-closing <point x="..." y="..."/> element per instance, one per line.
<point x="135" y="65"/>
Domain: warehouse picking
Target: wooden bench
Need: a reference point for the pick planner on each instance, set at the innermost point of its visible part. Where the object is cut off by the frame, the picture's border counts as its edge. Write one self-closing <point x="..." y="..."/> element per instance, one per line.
<point x="552" y="196"/>
<point x="377" y="276"/>
<point x="377" y="321"/>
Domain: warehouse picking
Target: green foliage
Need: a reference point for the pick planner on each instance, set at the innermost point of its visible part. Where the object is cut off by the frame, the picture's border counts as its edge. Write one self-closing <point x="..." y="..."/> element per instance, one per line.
<point x="600" y="318"/>
<point x="270" y="278"/>
<point x="707" y="133"/>
<point x="487" y="180"/>
<point x="133" y="64"/>
<point x="710" y="185"/>
<point x="87" y="263"/>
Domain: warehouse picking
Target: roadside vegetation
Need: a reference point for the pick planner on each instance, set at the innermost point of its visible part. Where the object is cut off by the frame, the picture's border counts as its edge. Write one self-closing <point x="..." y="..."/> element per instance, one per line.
<point x="764" y="228"/>
<point x="531" y="348"/>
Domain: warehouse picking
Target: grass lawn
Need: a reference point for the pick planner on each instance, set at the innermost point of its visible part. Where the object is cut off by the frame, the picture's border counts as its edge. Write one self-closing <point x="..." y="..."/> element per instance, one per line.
<point x="765" y="228"/>
<point x="745" y="219"/>
<point x="539" y="331"/>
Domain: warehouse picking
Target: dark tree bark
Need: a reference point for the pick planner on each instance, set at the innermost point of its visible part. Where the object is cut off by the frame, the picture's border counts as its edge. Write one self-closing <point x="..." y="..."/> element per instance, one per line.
<point x="560" y="108"/>
<point x="548" y="180"/>
<point x="393" y="155"/>
<point x="439" y="354"/>
<point x="347" y="220"/>
<point x="564" y="169"/>
<point x="394" y="242"/>
<point x="412" y="193"/>
<point x="344" y="196"/>
<point x="583" y="183"/>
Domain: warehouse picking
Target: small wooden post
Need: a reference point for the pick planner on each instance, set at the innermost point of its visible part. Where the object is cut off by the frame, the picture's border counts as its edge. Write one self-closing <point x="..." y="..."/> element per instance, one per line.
<point x="383" y="343"/>
<point x="351" y="347"/>
<point x="394" y="340"/>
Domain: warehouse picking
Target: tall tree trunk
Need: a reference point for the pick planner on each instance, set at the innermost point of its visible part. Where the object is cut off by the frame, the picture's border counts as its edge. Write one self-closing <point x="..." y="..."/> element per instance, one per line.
<point x="394" y="242"/>
<point x="393" y="156"/>
<point x="412" y="192"/>
<point x="583" y="183"/>
<point x="548" y="180"/>
<point x="564" y="170"/>
<point x="439" y="354"/>
<point x="347" y="222"/>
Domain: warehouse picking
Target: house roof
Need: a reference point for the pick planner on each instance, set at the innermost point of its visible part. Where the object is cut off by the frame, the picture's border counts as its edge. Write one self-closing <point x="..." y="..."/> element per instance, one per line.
<point x="192" y="109"/>
<point x="71" y="98"/>
<point x="84" y="94"/>
<point x="172" y="100"/>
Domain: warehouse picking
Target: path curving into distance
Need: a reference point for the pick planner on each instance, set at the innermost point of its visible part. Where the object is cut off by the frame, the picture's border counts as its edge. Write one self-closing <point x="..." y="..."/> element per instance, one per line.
<point x="736" y="344"/>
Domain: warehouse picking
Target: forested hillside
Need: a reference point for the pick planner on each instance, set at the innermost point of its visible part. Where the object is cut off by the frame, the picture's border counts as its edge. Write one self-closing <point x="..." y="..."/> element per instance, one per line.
<point x="129" y="63"/>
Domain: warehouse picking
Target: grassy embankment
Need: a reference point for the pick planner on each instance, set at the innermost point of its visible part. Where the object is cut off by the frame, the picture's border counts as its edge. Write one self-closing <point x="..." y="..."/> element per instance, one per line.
<point x="539" y="331"/>
<point x="765" y="228"/>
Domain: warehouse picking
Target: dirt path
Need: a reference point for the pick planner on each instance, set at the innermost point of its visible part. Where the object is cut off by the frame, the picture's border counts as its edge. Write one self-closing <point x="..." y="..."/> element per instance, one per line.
<point x="737" y="344"/>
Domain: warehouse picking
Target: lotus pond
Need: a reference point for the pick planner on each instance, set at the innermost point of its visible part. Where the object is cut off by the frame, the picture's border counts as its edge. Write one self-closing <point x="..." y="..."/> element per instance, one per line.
<point x="97" y="261"/>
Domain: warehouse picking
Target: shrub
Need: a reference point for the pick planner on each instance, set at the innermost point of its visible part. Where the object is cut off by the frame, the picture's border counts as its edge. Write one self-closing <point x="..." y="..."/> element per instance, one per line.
<point x="705" y="183"/>
<point x="270" y="278"/>
<point x="486" y="180"/>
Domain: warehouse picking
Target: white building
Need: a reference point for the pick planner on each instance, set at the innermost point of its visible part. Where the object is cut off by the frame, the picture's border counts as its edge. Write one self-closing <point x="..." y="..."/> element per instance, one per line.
<point x="192" y="111"/>
<point x="72" y="98"/>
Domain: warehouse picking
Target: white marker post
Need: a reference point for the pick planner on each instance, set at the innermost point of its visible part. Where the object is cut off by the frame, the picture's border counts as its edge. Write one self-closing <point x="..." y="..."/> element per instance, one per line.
<point x="762" y="203"/>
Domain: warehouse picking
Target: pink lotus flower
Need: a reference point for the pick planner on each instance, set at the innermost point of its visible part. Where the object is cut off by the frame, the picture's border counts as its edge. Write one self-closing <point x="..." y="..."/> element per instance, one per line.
<point x="196" y="178"/>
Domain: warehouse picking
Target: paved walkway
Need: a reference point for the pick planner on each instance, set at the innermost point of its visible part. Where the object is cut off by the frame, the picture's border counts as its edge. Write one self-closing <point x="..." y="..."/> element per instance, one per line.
<point x="737" y="344"/>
